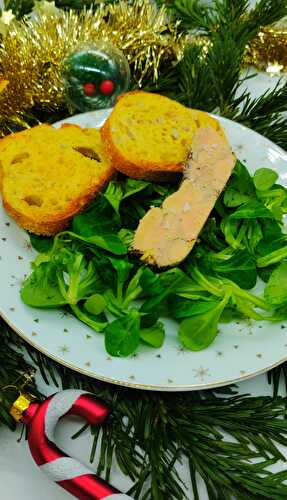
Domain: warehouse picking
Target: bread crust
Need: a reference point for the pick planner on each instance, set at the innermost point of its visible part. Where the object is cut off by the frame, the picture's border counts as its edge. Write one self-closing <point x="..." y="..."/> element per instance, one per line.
<point x="50" y="224"/>
<point x="141" y="169"/>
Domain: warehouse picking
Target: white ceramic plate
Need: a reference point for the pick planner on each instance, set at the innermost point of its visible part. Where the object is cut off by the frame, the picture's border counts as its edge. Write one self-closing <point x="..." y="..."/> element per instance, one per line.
<point x="240" y="350"/>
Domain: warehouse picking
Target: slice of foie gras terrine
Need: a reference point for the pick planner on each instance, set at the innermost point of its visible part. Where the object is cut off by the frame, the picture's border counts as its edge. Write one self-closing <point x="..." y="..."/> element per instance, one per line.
<point x="166" y="235"/>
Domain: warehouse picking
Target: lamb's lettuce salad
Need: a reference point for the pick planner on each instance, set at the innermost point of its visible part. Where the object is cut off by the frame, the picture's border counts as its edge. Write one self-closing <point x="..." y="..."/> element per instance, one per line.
<point x="89" y="269"/>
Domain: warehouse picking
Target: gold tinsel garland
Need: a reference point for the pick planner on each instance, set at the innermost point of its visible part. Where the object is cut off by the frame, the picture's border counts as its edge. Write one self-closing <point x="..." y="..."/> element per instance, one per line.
<point x="32" y="51"/>
<point x="268" y="50"/>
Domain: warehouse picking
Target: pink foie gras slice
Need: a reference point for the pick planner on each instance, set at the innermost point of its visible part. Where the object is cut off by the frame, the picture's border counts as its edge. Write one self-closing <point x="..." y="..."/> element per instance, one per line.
<point x="166" y="235"/>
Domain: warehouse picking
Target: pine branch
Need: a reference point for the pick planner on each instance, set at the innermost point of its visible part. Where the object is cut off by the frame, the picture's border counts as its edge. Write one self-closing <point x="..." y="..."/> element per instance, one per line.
<point x="209" y="18"/>
<point x="277" y="375"/>
<point x="263" y="114"/>
<point x="21" y="8"/>
<point x="164" y="428"/>
<point x="15" y="372"/>
<point x="209" y="76"/>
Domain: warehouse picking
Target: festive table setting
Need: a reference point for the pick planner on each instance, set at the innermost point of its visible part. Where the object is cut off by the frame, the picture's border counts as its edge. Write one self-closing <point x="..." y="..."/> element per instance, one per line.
<point x="143" y="350"/>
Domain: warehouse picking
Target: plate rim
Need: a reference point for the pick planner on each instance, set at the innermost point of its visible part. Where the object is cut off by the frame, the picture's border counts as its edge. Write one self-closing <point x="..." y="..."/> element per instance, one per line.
<point x="147" y="387"/>
<point x="144" y="387"/>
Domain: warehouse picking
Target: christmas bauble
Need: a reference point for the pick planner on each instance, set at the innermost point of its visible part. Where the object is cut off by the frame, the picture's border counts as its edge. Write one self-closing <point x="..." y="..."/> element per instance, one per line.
<point x="95" y="75"/>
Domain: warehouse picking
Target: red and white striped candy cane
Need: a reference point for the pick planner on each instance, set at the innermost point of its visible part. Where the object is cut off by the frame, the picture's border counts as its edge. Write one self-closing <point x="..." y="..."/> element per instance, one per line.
<point x="67" y="472"/>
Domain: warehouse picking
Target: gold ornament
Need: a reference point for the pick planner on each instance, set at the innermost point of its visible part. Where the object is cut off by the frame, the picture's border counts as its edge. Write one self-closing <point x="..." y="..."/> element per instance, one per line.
<point x="33" y="50"/>
<point x="268" y="50"/>
<point x="21" y="404"/>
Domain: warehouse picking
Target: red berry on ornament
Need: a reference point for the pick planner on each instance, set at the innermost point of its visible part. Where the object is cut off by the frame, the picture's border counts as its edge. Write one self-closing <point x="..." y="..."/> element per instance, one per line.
<point x="107" y="87"/>
<point x="89" y="89"/>
<point x="94" y="76"/>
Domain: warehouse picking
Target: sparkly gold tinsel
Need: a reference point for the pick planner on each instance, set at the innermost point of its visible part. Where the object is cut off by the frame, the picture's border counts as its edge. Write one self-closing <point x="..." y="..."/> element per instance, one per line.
<point x="32" y="52"/>
<point x="268" y="50"/>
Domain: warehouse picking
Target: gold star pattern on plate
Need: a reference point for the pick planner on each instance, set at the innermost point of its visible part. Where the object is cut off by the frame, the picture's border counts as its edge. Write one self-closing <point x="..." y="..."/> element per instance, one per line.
<point x="63" y="349"/>
<point x="201" y="372"/>
<point x="64" y="314"/>
<point x="27" y="245"/>
<point x="181" y="350"/>
<point x="34" y="334"/>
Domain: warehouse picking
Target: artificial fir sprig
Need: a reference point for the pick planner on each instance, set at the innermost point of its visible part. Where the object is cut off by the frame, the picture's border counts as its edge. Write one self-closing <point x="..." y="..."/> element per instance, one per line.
<point x="15" y="373"/>
<point x="210" y="75"/>
<point x="21" y="8"/>
<point x="229" y="440"/>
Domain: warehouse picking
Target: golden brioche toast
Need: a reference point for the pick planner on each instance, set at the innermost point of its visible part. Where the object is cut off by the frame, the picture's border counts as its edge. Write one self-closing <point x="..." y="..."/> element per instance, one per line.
<point x="148" y="136"/>
<point x="49" y="175"/>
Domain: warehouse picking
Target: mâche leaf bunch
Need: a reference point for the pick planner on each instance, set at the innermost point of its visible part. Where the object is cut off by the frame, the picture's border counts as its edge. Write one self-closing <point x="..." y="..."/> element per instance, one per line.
<point x="90" y="270"/>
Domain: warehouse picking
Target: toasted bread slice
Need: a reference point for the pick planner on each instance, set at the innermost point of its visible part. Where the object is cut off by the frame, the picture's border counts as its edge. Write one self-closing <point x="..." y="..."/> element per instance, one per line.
<point x="166" y="234"/>
<point x="49" y="175"/>
<point x="148" y="136"/>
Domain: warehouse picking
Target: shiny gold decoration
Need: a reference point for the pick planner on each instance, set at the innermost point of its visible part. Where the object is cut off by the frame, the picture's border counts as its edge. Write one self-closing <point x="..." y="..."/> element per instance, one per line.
<point x="21" y="404"/>
<point x="32" y="52"/>
<point x="3" y="85"/>
<point x="268" y="50"/>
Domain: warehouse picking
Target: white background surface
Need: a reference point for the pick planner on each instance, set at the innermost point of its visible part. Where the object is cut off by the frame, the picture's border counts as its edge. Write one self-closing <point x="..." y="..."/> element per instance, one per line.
<point x="20" y="477"/>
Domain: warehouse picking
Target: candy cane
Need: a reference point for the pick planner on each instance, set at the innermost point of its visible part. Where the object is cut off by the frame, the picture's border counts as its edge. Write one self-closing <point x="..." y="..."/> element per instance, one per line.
<point x="67" y="472"/>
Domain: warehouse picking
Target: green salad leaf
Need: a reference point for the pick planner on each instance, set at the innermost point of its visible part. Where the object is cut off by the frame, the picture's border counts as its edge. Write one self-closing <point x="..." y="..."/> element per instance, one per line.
<point x="276" y="289"/>
<point x="252" y="210"/>
<point x="198" y="331"/>
<point x="154" y="335"/>
<point x="90" y="270"/>
<point x="265" y="178"/>
<point x="41" y="288"/>
<point x="122" y="335"/>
